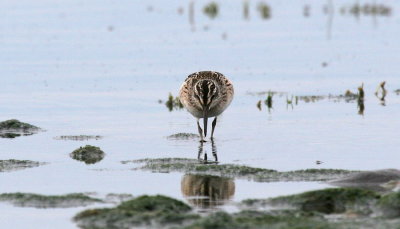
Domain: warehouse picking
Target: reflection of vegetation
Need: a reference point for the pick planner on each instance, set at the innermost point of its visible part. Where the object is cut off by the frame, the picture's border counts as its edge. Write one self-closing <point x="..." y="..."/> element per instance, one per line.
<point x="348" y="95"/>
<point x="246" y="9"/>
<point x="14" y="128"/>
<point x="397" y="91"/>
<point x="381" y="92"/>
<point x="79" y="137"/>
<point x="183" y="136"/>
<point x="267" y="102"/>
<point x="13" y="165"/>
<point x="13" y="135"/>
<point x="361" y="107"/>
<point x="88" y="154"/>
<point x="42" y="201"/>
<point x="306" y="11"/>
<point x="289" y="102"/>
<point x="259" y="105"/>
<point x="265" y="10"/>
<point x="310" y="98"/>
<point x="360" y="100"/>
<point x="173" y="103"/>
<point x="237" y="171"/>
<point x="142" y="212"/>
<point x="269" y="92"/>
<point x="211" y="10"/>
<point x="367" y="10"/>
<point x="206" y="191"/>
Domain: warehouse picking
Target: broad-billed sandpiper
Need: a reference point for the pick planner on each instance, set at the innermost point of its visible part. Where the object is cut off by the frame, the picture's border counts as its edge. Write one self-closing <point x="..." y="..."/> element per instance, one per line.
<point x="206" y="94"/>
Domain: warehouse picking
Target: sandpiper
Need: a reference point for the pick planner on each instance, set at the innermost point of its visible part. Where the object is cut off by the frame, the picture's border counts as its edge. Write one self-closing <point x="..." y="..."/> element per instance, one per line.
<point x="206" y="94"/>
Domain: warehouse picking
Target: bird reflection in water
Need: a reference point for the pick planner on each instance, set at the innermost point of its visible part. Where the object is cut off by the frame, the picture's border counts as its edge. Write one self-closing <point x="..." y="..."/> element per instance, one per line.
<point x="205" y="191"/>
<point x="203" y="157"/>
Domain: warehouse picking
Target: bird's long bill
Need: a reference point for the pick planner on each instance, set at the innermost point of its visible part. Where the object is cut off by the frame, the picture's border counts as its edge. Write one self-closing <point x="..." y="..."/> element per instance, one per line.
<point x="205" y="118"/>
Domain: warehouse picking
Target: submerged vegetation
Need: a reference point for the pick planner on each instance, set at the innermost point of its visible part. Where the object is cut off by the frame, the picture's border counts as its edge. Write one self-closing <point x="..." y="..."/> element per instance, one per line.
<point x="88" y="154"/>
<point x="193" y="166"/>
<point x="43" y="201"/>
<point x="367" y="10"/>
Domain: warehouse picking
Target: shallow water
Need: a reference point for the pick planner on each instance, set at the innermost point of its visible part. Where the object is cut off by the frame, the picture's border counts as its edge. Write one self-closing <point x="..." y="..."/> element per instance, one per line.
<point x="100" y="67"/>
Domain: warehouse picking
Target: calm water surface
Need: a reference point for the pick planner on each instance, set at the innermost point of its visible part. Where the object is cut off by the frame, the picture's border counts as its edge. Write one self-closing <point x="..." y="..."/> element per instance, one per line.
<point x="100" y="67"/>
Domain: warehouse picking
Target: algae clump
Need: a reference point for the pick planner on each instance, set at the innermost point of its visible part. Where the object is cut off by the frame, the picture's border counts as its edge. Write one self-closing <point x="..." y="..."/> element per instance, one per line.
<point x="261" y="220"/>
<point x="14" y="128"/>
<point x="14" y="124"/>
<point x="144" y="211"/>
<point x="88" y="154"/>
<point x="390" y="205"/>
<point x="237" y="171"/>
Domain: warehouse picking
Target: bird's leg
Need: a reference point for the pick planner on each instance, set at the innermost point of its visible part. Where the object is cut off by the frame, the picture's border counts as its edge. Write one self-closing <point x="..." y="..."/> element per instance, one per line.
<point x="200" y="131"/>
<point x="214" y="150"/>
<point x="214" y="123"/>
<point x="200" y="151"/>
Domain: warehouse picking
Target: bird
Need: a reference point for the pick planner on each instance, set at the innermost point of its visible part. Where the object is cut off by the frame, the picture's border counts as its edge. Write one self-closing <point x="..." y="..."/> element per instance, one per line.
<point x="206" y="94"/>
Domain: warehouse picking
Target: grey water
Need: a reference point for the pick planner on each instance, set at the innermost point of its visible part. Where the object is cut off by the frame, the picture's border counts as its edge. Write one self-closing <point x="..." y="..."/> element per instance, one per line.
<point x="100" y="68"/>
